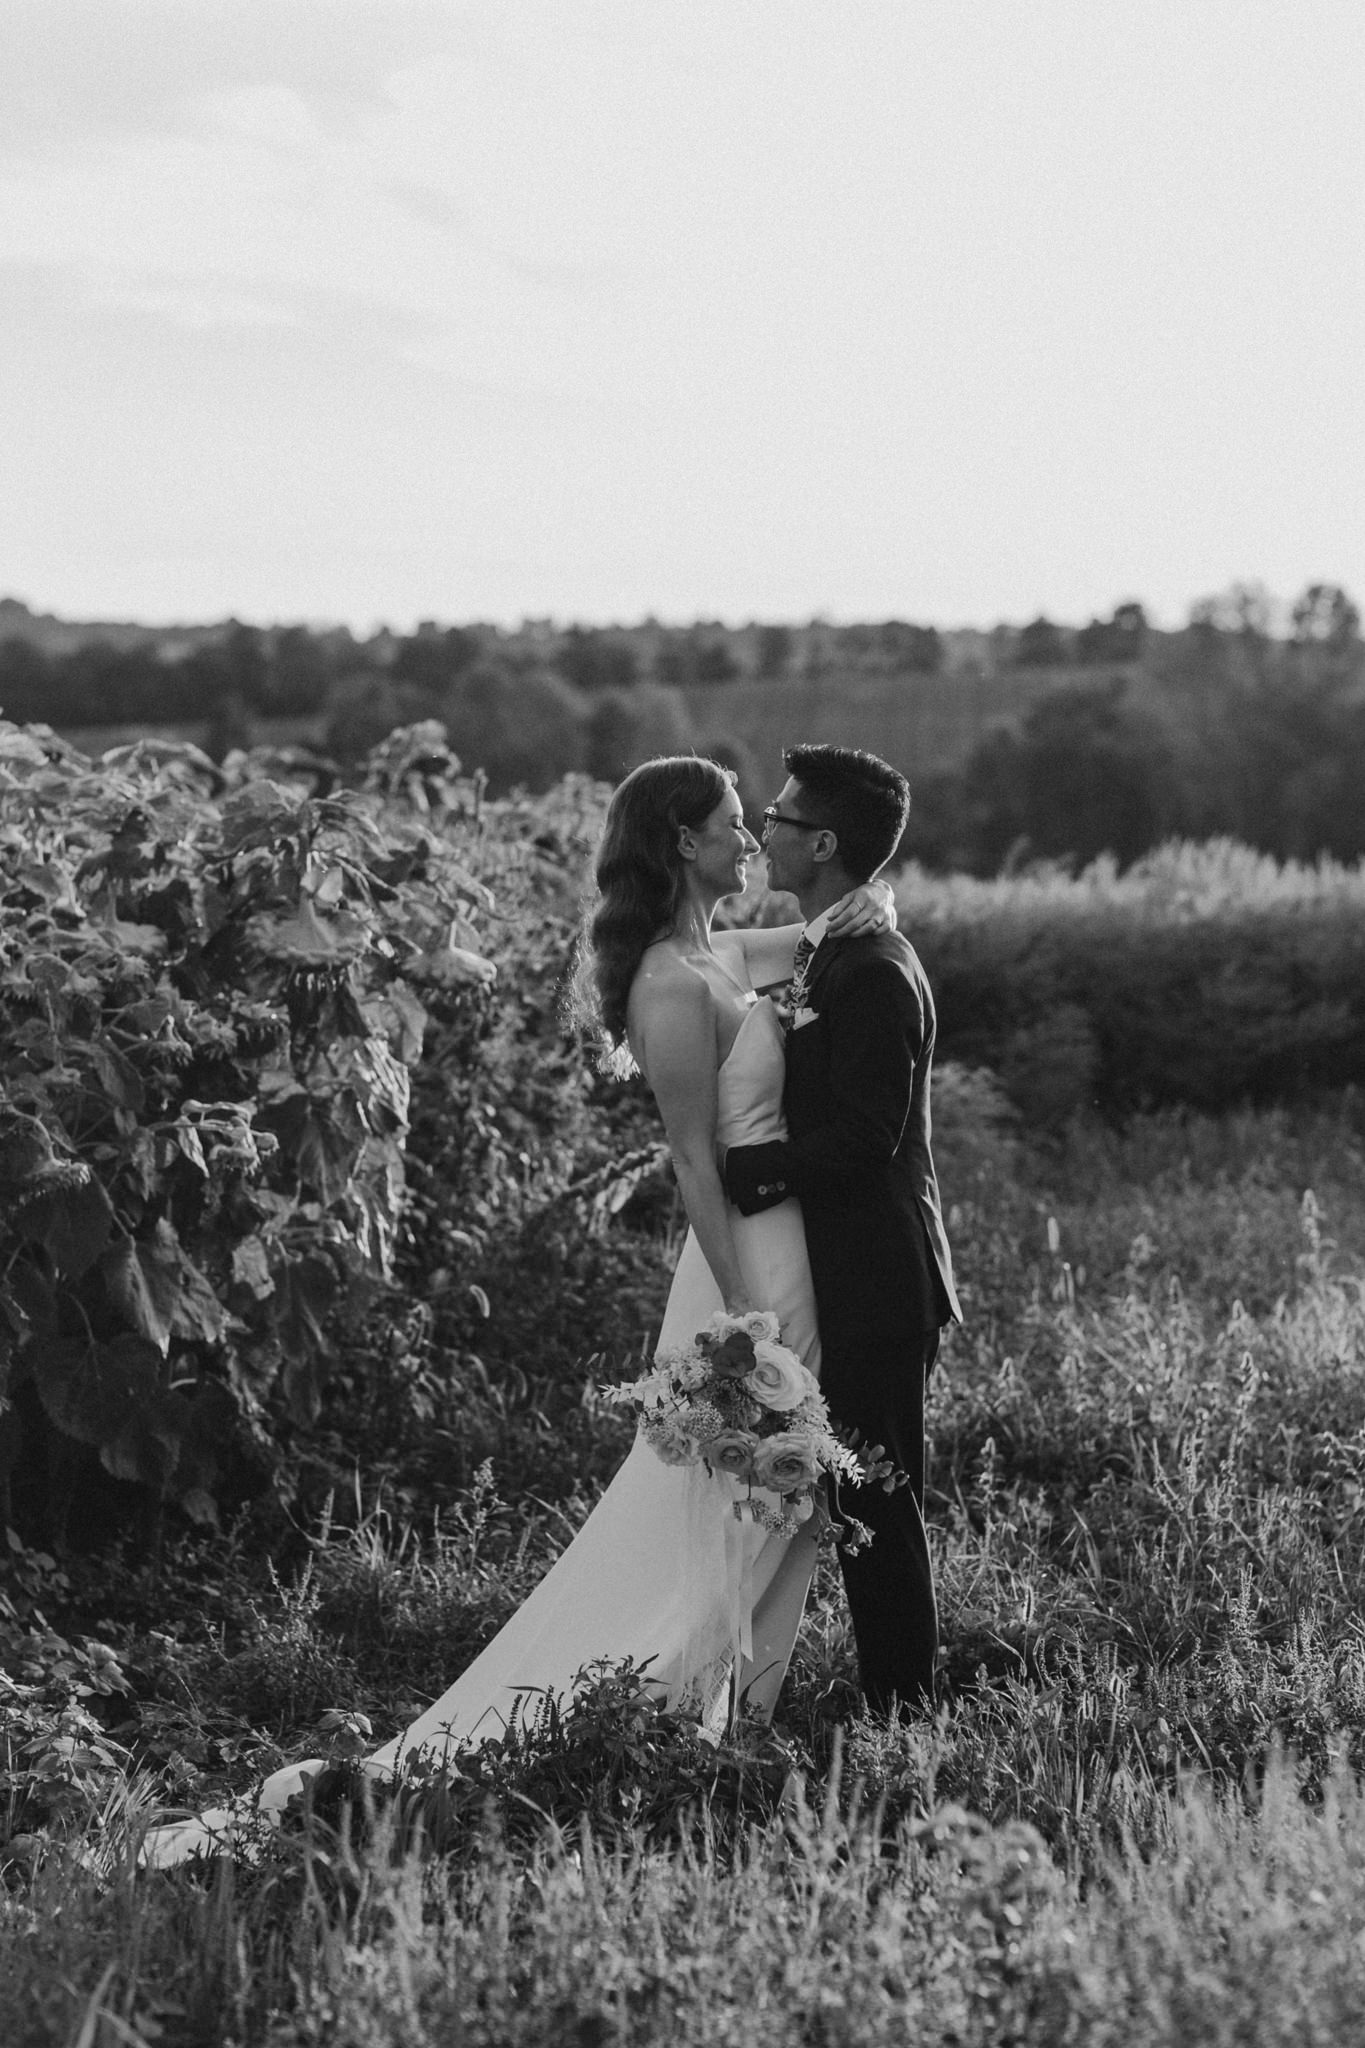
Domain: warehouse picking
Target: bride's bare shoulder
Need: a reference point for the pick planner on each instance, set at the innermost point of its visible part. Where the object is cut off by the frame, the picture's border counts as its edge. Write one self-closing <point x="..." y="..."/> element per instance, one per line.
<point x="671" y="999"/>
<point x="664" y="978"/>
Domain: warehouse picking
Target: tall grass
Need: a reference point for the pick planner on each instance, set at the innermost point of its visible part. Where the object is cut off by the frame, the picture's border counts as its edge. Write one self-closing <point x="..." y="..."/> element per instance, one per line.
<point x="1178" y="882"/>
<point x="1136" y="1817"/>
<point x="1241" y="1924"/>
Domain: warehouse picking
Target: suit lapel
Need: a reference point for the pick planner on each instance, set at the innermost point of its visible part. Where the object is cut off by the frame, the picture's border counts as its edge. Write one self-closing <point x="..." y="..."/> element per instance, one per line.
<point x="806" y="1044"/>
<point x="825" y="954"/>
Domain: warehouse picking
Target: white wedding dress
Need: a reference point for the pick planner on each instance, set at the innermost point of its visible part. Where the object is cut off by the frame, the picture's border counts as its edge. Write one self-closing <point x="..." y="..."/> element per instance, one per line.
<point x="662" y="1570"/>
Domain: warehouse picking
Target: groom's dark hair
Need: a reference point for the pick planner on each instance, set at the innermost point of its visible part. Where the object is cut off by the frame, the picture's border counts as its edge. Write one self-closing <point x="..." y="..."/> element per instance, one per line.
<point x="863" y="799"/>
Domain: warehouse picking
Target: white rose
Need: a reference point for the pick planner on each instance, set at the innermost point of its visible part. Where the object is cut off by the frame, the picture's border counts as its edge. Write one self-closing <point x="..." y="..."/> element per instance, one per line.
<point x="777" y="1378"/>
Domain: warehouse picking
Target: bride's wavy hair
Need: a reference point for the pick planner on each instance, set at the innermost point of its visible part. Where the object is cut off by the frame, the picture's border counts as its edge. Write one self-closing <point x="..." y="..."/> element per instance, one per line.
<point x="640" y="879"/>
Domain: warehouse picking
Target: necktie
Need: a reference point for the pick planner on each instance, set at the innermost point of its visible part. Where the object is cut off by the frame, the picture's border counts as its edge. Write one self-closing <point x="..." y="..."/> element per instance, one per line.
<point x="801" y="959"/>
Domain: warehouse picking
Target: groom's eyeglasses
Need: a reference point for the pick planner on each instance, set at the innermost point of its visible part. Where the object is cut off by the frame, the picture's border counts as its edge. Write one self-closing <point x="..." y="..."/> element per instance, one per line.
<point x="772" y="816"/>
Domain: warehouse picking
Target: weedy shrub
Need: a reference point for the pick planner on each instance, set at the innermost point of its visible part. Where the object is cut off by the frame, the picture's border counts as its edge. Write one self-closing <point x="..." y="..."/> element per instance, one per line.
<point x="541" y="1214"/>
<point x="58" y="1763"/>
<point x="208" y="1006"/>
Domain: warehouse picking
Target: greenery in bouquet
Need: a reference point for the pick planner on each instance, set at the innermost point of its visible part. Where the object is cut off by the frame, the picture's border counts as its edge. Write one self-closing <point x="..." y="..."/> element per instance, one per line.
<point x="739" y="1401"/>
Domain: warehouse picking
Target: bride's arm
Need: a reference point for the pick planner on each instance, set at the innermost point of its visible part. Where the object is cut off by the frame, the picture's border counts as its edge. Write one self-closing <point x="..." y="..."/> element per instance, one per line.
<point x="675" y="1034"/>
<point x="767" y="950"/>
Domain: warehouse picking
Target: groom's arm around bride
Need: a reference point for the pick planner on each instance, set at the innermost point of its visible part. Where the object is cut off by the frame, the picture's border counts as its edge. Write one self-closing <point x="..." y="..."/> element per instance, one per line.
<point x="859" y="1061"/>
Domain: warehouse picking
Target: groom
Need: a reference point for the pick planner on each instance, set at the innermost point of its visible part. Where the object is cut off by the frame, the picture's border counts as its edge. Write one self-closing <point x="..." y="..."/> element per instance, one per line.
<point x="859" y="1051"/>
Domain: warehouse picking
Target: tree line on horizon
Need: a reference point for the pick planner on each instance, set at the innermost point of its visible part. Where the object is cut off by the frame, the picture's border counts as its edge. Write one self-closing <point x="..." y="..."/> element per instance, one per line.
<point x="1113" y="737"/>
<point x="1225" y="729"/>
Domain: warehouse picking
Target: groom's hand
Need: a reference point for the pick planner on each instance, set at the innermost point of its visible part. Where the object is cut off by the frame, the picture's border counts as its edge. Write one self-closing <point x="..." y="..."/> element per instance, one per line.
<point x="756" y="1177"/>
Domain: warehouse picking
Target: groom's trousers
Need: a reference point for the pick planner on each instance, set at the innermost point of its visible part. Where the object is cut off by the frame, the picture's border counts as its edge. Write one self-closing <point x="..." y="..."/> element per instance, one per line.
<point x="889" y="1583"/>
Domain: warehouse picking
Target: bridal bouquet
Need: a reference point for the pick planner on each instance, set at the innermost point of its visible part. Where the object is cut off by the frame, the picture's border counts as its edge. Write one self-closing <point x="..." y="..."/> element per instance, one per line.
<point x="739" y="1401"/>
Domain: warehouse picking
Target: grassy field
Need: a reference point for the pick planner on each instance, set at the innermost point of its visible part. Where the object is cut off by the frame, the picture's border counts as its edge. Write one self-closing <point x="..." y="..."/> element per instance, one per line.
<point x="1135" y="1819"/>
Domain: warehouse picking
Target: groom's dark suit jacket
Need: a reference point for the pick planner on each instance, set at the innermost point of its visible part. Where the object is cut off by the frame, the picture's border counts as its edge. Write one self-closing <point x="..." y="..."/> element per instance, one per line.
<point x="857" y="1153"/>
<point x="859" y="1057"/>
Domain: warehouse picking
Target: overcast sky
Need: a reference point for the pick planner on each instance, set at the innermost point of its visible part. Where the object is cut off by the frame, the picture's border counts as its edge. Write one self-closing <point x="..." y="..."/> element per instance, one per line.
<point x="950" y="310"/>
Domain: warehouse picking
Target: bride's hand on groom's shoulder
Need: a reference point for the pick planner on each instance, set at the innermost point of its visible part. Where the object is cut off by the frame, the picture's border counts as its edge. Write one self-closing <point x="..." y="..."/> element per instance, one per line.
<point x="871" y="907"/>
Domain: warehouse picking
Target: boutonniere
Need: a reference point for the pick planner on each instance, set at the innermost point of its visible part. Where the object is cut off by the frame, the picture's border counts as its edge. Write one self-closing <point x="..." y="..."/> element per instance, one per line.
<point x="789" y="1007"/>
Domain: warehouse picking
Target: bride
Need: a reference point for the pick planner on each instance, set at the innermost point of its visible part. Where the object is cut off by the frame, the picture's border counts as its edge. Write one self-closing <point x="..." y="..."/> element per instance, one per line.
<point x="661" y="1571"/>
